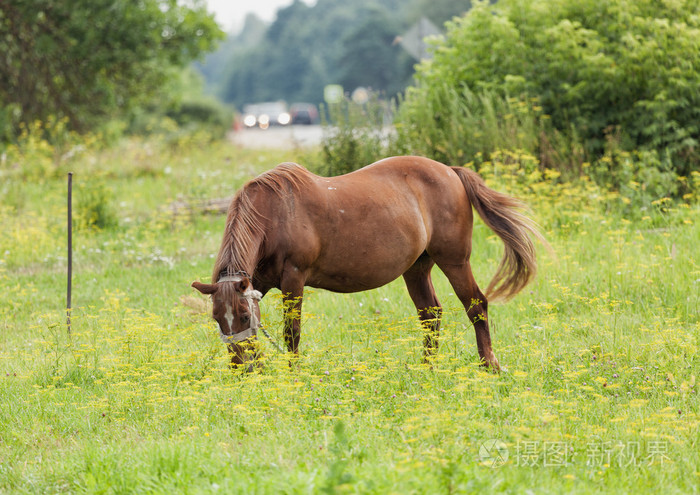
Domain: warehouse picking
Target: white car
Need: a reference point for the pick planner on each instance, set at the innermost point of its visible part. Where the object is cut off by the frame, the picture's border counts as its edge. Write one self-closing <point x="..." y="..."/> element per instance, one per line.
<point x="266" y="114"/>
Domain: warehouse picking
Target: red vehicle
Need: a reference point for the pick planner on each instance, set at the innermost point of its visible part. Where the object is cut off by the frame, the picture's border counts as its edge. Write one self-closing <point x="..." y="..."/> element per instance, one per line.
<point x="304" y="113"/>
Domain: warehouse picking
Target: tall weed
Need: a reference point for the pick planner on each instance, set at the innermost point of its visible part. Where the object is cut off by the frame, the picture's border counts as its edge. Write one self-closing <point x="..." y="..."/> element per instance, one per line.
<point x="355" y="135"/>
<point x="94" y="208"/>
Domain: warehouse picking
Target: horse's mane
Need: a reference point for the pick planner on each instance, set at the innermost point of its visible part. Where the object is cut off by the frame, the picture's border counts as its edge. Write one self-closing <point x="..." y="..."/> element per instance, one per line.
<point x="245" y="227"/>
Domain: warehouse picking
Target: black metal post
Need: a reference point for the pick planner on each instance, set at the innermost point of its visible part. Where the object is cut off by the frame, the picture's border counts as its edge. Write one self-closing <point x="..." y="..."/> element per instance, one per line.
<point x="70" y="249"/>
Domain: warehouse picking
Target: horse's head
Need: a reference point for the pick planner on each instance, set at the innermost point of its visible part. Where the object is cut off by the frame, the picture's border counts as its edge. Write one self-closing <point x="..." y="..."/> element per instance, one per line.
<point x="236" y="310"/>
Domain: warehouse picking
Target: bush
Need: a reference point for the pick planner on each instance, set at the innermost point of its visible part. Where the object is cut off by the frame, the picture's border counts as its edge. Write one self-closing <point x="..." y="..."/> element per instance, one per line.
<point x="641" y="177"/>
<point x="181" y="119"/>
<point x="39" y="150"/>
<point x="94" y="208"/>
<point x="202" y="114"/>
<point x="640" y="192"/>
<point x="632" y="67"/>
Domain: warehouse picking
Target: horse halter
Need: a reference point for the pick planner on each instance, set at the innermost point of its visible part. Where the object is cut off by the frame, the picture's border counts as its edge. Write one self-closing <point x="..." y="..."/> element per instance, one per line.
<point x="249" y="295"/>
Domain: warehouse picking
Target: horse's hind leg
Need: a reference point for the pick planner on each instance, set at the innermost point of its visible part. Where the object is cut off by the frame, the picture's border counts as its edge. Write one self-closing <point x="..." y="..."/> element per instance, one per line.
<point x="420" y="288"/>
<point x="474" y="301"/>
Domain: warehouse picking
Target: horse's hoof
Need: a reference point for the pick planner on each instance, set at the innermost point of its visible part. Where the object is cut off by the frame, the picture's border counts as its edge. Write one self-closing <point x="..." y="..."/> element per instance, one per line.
<point x="492" y="366"/>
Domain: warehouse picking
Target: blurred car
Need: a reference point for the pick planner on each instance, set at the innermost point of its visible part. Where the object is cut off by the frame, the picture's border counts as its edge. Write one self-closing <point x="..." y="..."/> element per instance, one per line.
<point x="304" y="114"/>
<point x="266" y="114"/>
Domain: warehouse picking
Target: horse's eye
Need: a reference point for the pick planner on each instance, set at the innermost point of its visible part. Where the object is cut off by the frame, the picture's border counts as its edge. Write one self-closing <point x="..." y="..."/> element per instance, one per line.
<point x="245" y="318"/>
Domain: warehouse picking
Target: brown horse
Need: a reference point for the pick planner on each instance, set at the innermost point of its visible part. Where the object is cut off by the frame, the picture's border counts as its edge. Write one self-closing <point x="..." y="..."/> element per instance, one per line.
<point x="289" y="228"/>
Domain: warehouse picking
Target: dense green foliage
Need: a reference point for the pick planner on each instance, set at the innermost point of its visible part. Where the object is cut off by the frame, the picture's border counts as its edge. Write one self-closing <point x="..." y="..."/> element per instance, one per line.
<point x="181" y="107"/>
<point x="93" y="60"/>
<point x="620" y="75"/>
<point x="602" y="350"/>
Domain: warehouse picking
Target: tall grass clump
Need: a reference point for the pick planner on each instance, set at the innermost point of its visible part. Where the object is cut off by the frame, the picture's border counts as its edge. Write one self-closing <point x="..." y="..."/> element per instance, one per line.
<point x="95" y="206"/>
<point x="355" y="135"/>
<point x="457" y="125"/>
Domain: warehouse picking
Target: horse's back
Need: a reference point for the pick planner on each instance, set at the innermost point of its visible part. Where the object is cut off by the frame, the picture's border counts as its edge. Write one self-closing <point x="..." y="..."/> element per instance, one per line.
<point x="412" y="193"/>
<point x="402" y="186"/>
<point x="416" y="183"/>
<point x="386" y="172"/>
<point x="418" y="167"/>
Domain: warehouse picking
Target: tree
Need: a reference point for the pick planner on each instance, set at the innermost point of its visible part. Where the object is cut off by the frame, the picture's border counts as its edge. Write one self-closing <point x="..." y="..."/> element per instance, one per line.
<point x="372" y="58"/>
<point x="88" y="60"/>
<point x="303" y="50"/>
<point x="439" y="11"/>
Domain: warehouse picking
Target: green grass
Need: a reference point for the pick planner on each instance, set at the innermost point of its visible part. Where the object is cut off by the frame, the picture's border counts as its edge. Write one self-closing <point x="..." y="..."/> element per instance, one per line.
<point x="601" y="352"/>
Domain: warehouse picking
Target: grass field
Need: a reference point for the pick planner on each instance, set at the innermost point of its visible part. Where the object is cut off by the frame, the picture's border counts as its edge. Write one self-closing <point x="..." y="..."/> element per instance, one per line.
<point x="600" y="392"/>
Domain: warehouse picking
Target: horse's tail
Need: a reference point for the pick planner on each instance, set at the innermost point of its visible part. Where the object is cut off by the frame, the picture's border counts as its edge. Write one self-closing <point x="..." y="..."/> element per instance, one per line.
<point x="502" y="214"/>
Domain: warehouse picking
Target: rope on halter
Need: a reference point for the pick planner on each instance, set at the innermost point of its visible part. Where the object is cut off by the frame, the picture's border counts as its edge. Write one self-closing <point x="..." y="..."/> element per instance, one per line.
<point x="272" y="341"/>
<point x="249" y="295"/>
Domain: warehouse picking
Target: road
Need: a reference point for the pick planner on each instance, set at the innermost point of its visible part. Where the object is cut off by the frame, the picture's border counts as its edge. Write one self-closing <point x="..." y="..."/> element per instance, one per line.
<point x="287" y="137"/>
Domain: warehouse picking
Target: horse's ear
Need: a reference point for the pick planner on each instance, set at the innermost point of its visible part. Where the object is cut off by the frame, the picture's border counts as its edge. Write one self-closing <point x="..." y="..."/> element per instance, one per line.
<point x="205" y="288"/>
<point x="242" y="286"/>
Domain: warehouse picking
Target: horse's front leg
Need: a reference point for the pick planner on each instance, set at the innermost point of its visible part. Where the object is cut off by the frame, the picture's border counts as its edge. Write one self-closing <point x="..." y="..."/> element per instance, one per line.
<point x="292" y="321"/>
<point x="420" y="288"/>
<point x="292" y="293"/>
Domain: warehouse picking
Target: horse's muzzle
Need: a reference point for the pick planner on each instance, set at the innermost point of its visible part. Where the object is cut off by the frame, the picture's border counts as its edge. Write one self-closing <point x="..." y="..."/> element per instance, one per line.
<point x="237" y="337"/>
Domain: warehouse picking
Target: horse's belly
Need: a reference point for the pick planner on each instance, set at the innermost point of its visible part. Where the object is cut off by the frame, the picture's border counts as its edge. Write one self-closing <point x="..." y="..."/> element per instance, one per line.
<point x="364" y="265"/>
<point x="341" y="282"/>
